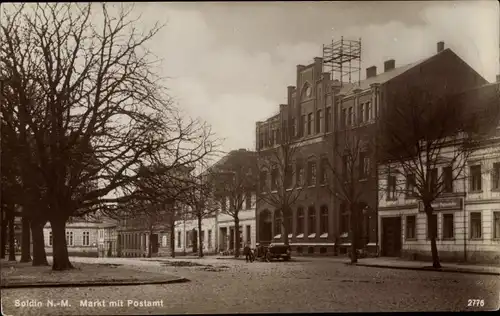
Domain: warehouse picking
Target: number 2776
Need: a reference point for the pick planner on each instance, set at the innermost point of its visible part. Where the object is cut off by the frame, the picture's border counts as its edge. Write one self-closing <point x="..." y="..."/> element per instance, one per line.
<point x="474" y="303"/>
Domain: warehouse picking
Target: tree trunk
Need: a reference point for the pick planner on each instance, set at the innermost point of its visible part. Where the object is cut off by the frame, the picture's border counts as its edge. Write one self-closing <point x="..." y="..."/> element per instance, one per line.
<point x="285" y="229"/>
<point x="12" y="246"/>
<point x="25" y="239"/>
<point x="353" y="225"/>
<point x="172" y="238"/>
<point x="200" y="246"/>
<point x="3" y="232"/>
<point x="39" y="255"/>
<point x="237" y="239"/>
<point x="435" y="256"/>
<point x="150" y="246"/>
<point x="60" y="257"/>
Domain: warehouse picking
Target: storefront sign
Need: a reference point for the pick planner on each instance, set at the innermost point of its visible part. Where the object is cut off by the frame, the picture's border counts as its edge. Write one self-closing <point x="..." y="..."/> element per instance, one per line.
<point x="444" y="204"/>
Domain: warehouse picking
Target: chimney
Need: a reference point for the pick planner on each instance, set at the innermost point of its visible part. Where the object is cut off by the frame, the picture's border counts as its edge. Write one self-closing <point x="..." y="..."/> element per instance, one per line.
<point x="389" y="65"/>
<point x="440" y="47"/>
<point x="326" y="76"/>
<point x="371" y="71"/>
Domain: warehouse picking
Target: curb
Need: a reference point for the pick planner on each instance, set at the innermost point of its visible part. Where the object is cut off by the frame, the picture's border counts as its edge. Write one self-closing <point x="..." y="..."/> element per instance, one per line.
<point x="424" y="269"/>
<point x="91" y="284"/>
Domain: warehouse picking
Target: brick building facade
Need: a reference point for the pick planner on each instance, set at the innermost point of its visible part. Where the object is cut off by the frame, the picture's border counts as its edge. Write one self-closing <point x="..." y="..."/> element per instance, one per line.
<point x="319" y="113"/>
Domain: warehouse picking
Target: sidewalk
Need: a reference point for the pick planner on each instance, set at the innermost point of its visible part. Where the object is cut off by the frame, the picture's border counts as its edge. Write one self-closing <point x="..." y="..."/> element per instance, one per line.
<point x="17" y="275"/>
<point x="397" y="263"/>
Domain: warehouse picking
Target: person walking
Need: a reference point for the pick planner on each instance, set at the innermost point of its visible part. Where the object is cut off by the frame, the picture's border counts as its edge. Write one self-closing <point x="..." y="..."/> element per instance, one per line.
<point x="246" y="252"/>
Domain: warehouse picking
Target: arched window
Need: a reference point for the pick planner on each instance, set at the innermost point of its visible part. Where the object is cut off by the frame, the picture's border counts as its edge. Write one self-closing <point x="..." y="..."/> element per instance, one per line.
<point x="277" y="222"/>
<point x="300" y="220"/>
<point x="324" y="219"/>
<point x="311" y="220"/>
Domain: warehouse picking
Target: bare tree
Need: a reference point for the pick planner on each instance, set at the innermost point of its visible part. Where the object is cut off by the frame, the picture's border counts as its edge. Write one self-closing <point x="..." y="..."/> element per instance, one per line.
<point x="282" y="191"/>
<point x="424" y="132"/>
<point x="201" y="200"/>
<point x="235" y="179"/>
<point x="88" y="95"/>
<point x="346" y="167"/>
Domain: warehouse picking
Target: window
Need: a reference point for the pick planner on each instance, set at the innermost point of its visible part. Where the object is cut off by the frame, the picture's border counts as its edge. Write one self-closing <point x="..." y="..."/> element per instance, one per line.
<point x="288" y="176"/>
<point x="188" y="239"/>
<point x="300" y="174"/>
<point x="311" y="220"/>
<point x="410" y="186"/>
<point x="248" y="200"/>
<point x="447" y="179"/>
<point x="293" y="127"/>
<point x="375" y="108"/>
<point x="349" y="116"/>
<point x="475" y="178"/>
<point x="324" y="219"/>
<point x="278" y="136"/>
<point x="323" y="178"/>
<point x="391" y="187"/>
<point x="495" y="176"/>
<point x="261" y="140"/>
<point x="344" y="218"/>
<point x="50" y="238"/>
<point x="289" y="222"/>
<point x="277" y="222"/>
<point x="319" y="119"/>
<point x="271" y="138"/>
<point x="448" y="224"/>
<point x="86" y="238"/>
<point x="209" y="237"/>
<point x="361" y="112"/>
<point x="309" y="123"/>
<point x="328" y="119"/>
<point x="344" y="118"/>
<point x="475" y="225"/>
<point x="364" y="162"/>
<point x="249" y="234"/>
<point x="435" y="185"/>
<point x="432" y="225"/>
<point x="285" y="129"/>
<point x="202" y="235"/>
<point x="274" y="179"/>
<point x="300" y="221"/>
<point x="410" y="227"/>
<point x="311" y="173"/>
<point x="368" y="111"/>
<point x="223" y="203"/>
<point x="303" y="125"/>
<point x="69" y="238"/>
<point x="263" y="180"/>
<point x="266" y="137"/>
<point x="345" y="167"/>
<point x="178" y="239"/>
<point x="496" y="224"/>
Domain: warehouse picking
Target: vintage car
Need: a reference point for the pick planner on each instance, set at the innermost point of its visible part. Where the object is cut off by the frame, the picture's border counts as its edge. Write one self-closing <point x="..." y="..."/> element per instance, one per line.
<point x="274" y="251"/>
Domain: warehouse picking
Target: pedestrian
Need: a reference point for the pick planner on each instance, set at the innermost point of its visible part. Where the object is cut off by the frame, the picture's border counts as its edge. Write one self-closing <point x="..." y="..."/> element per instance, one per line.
<point x="246" y="252"/>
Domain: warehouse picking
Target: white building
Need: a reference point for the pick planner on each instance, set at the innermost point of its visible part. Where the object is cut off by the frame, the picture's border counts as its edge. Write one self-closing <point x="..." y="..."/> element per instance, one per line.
<point x="218" y="231"/>
<point x="81" y="238"/>
<point x="467" y="213"/>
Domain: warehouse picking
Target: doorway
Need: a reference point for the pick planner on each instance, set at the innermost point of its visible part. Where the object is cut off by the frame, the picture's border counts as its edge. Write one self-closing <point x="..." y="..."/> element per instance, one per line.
<point x="154" y="243"/>
<point x="391" y="236"/>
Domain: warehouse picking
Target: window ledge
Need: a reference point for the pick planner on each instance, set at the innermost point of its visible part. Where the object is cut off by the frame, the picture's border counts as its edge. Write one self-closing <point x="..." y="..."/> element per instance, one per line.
<point x="363" y="180"/>
<point x="344" y="235"/>
<point x="274" y="191"/>
<point x="495" y="190"/>
<point x="325" y="235"/>
<point x="300" y="236"/>
<point x="411" y="239"/>
<point x="277" y="236"/>
<point x="449" y="239"/>
<point x="311" y="186"/>
<point x="391" y="199"/>
<point x="290" y="235"/>
<point x="476" y="239"/>
<point x="313" y="235"/>
<point x="474" y="192"/>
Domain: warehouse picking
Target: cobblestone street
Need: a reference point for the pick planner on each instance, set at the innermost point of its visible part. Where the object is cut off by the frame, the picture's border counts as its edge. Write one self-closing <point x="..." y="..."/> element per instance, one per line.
<point x="233" y="286"/>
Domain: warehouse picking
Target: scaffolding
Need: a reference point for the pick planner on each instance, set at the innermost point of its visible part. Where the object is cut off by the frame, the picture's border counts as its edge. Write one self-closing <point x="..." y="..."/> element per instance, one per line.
<point x="342" y="59"/>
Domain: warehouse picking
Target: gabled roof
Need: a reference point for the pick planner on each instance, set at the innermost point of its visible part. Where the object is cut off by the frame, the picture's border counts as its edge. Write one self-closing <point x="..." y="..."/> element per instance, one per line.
<point x="381" y="78"/>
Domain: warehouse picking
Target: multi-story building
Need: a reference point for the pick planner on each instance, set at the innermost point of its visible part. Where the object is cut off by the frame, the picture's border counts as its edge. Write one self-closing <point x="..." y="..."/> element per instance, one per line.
<point x="467" y="213"/>
<point x="218" y="230"/>
<point x="321" y="116"/>
<point x="107" y="239"/>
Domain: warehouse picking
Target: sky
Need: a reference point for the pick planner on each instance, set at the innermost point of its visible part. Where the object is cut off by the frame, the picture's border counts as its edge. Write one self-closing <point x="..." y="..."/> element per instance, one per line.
<point x="229" y="63"/>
